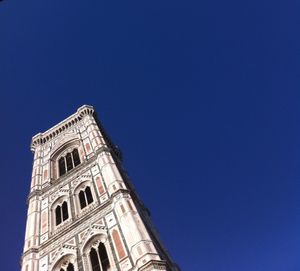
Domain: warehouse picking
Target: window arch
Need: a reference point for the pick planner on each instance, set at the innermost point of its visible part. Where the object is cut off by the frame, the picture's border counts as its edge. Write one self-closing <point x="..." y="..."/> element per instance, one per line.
<point x="61" y="213"/>
<point x="97" y="252"/>
<point x="65" y="156"/>
<point x="98" y="258"/>
<point x="68" y="162"/>
<point x="85" y="197"/>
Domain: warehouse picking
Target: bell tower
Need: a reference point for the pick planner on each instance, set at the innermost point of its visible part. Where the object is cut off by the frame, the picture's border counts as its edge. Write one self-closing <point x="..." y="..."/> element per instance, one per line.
<point x="83" y="211"/>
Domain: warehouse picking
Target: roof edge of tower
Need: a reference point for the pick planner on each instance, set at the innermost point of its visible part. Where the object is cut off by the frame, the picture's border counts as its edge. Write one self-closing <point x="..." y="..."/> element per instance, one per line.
<point x="55" y="130"/>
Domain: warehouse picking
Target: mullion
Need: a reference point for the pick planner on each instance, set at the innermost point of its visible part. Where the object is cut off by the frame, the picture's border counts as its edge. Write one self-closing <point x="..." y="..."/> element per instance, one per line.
<point x="66" y="168"/>
<point x="99" y="259"/>
<point x="85" y="197"/>
<point x="61" y="214"/>
<point x="72" y="158"/>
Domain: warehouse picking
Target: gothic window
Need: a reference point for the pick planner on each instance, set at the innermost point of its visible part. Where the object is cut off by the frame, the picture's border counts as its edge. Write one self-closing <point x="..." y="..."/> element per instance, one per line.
<point x="61" y="213"/>
<point x="85" y="197"/>
<point x="68" y="162"/>
<point x="99" y="258"/>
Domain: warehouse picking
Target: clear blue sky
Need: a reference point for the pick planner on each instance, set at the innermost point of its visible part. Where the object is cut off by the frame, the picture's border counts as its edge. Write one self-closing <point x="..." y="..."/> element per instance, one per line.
<point x="201" y="96"/>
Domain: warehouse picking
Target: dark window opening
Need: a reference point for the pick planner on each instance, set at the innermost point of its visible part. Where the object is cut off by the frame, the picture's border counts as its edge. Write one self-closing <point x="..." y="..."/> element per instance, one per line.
<point x="69" y="161"/>
<point x="103" y="257"/>
<point x="70" y="267"/>
<point x="65" y="211"/>
<point x="85" y="197"/>
<point x="94" y="260"/>
<point x="58" y="215"/>
<point x="62" y="167"/>
<point x="89" y="196"/>
<point x="76" y="158"/>
<point x="82" y="199"/>
<point x="61" y="213"/>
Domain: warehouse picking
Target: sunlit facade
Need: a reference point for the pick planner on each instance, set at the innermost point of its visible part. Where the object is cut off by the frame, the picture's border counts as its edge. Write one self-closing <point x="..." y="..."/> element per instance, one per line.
<point x="83" y="212"/>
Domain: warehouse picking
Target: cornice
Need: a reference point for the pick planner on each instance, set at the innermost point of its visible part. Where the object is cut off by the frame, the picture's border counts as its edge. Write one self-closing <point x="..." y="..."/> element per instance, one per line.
<point x="42" y="138"/>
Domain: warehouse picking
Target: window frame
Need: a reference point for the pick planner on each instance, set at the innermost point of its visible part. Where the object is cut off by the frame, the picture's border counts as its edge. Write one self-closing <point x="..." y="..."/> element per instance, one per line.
<point x="82" y="187"/>
<point x="94" y="244"/>
<point x="58" y="203"/>
<point x="69" y="161"/>
<point x="83" y="197"/>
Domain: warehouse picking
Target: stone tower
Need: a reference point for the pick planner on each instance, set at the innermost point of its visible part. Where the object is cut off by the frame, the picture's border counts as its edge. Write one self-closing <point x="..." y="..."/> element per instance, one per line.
<point x="83" y="212"/>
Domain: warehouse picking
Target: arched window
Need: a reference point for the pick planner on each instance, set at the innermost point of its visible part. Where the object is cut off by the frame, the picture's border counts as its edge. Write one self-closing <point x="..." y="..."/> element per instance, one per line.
<point x="68" y="162"/>
<point x="85" y="197"/>
<point x="99" y="258"/>
<point x="61" y="213"/>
